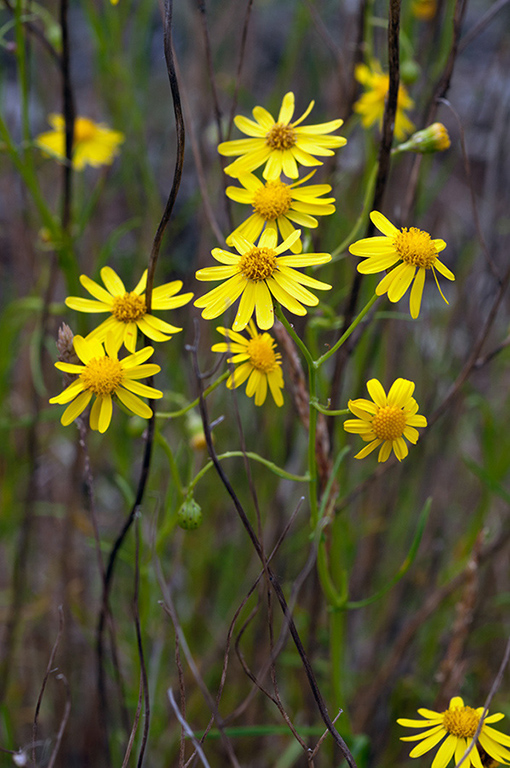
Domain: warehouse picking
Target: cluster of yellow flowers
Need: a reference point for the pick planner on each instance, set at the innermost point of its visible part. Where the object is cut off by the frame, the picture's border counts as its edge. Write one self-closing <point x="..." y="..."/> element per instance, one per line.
<point x="265" y="265"/>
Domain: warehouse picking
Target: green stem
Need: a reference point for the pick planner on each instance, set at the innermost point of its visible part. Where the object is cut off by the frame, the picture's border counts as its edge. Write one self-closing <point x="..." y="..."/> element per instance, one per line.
<point x="160" y="440"/>
<point x="327" y="412"/>
<point x="361" y="220"/>
<point x="182" y="411"/>
<point x="347" y="333"/>
<point x="255" y="457"/>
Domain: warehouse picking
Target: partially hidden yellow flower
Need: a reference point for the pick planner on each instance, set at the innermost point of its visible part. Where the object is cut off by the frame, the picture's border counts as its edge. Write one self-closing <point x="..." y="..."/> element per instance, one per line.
<point x="103" y="375"/>
<point x="425" y="10"/>
<point x="256" y="274"/>
<point x="128" y="311"/>
<point x="417" y="253"/>
<point x="371" y="103"/>
<point x="455" y="727"/>
<point x="280" y="144"/>
<point x="259" y="363"/>
<point x="94" y="143"/>
<point x="276" y="204"/>
<point x="386" y="419"/>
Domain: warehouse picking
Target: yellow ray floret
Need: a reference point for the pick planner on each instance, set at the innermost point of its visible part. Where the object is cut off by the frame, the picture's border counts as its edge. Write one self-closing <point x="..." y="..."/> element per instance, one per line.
<point x="94" y="143"/>
<point x="372" y="102"/>
<point x="455" y="728"/>
<point x="413" y="248"/>
<point x="279" y="205"/>
<point x="256" y="360"/>
<point x="103" y="375"/>
<point x="280" y="144"/>
<point x="128" y="311"/>
<point x="257" y="274"/>
<point x="386" y="419"/>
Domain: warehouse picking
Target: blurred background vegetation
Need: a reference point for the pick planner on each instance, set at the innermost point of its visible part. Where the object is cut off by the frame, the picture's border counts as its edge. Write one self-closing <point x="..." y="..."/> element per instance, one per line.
<point x="440" y="631"/>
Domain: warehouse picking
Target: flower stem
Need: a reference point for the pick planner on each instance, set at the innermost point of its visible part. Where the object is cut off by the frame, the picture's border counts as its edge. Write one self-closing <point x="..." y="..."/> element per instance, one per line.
<point x="347" y="333"/>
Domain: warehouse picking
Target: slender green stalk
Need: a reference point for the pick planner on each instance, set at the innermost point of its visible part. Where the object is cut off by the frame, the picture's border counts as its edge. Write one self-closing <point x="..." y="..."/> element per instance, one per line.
<point x="190" y="406"/>
<point x="255" y="457"/>
<point x="347" y="333"/>
<point x="362" y="218"/>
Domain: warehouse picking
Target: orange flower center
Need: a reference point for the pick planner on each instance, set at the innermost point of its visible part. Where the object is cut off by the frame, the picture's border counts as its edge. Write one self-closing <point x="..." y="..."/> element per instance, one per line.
<point x="461" y="722"/>
<point x="415" y="247"/>
<point x="281" y="136"/>
<point x="389" y="423"/>
<point x="262" y="355"/>
<point x="102" y="375"/>
<point x="129" y="307"/>
<point x="258" y="264"/>
<point x="272" y="200"/>
<point x="84" y="130"/>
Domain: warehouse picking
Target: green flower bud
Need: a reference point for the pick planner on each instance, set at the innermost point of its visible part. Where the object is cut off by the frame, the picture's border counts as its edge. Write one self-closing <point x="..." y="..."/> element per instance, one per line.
<point x="434" y="138"/>
<point x="190" y="515"/>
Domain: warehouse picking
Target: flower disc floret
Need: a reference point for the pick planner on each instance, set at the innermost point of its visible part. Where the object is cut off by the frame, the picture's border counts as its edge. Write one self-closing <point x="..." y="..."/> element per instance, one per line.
<point x="102" y="375"/>
<point x="258" y="263"/>
<point x="279" y="145"/>
<point x="386" y="420"/>
<point x="128" y="309"/>
<point x="453" y="731"/>
<point x="280" y="206"/>
<point x="257" y="361"/>
<point x="272" y="200"/>
<point x="416" y="251"/>
<point x="257" y="274"/>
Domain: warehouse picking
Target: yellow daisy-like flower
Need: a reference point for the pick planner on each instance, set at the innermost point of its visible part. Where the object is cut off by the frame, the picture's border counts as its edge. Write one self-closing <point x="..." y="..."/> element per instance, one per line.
<point x="458" y="724"/>
<point x="128" y="309"/>
<point x="259" y="363"/>
<point x="279" y="144"/>
<point x="103" y="375"/>
<point x="417" y="253"/>
<point x="276" y="204"/>
<point x="386" y="419"/>
<point x="94" y="143"/>
<point x="371" y="104"/>
<point x="257" y="273"/>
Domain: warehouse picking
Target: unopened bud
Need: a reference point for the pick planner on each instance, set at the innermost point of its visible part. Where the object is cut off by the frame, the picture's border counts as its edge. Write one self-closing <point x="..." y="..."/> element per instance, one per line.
<point x="190" y="515"/>
<point x="434" y="138"/>
<point x="65" y="346"/>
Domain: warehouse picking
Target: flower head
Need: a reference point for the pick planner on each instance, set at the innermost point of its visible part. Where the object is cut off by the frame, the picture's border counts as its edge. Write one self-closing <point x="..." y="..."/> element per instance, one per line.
<point x="371" y="104"/>
<point x="259" y="363"/>
<point x="433" y="138"/>
<point x="279" y="144"/>
<point x="104" y="375"/>
<point x="276" y="204"/>
<point x="458" y="724"/>
<point x="413" y="248"/>
<point x="128" y="311"/>
<point x="425" y="10"/>
<point x="94" y="143"/>
<point x="386" y="419"/>
<point x="257" y="273"/>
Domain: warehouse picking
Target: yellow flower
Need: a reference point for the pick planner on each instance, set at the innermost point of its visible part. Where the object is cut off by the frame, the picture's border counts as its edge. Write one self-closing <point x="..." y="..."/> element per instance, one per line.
<point x="425" y="10"/>
<point x="278" y="204"/>
<point x="94" y="143"/>
<point x="279" y="144"/>
<point x="260" y="364"/>
<point x="458" y="723"/>
<point x="417" y="253"/>
<point x="128" y="309"/>
<point x="256" y="272"/>
<point x="104" y="375"/>
<point x="371" y="104"/>
<point x="387" y="420"/>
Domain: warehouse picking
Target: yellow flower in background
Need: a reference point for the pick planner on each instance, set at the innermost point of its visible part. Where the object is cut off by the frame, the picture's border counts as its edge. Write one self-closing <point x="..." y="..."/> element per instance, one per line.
<point x="417" y="253"/>
<point x="257" y="273"/>
<point x="104" y="375"/>
<point x="128" y="309"/>
<point x="279" y="144"/>
<point x="259" y="363"/>
<point x="94" y="143"/>
<point x="276" y="204"/>
<point x="457" y="726"/>
<point x="371" y="104"/>
<point x="386" y="419"/>
<point x="425" y="10"/>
